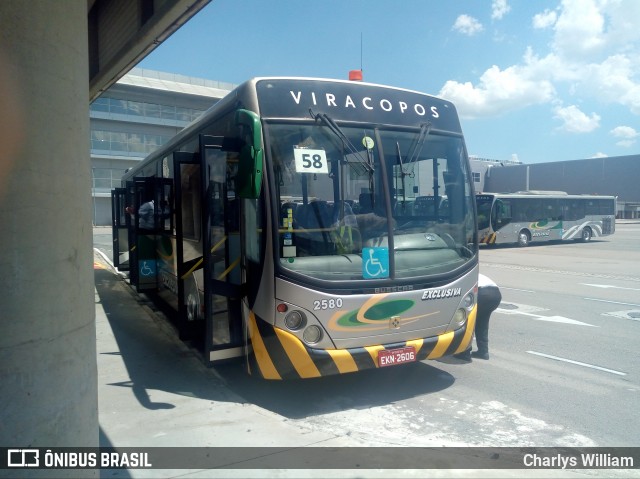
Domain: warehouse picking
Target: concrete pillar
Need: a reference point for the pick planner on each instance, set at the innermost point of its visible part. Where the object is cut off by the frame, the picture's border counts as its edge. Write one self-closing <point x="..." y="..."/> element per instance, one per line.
<point x="48" y="374"/>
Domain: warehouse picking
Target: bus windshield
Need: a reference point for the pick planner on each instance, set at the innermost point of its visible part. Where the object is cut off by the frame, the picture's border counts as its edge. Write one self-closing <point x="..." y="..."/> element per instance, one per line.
<point x="360" y="202"/>
<point x="484" y="204"/>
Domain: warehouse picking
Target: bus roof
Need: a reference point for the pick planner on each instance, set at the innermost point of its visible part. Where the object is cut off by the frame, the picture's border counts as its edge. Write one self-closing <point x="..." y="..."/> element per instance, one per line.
<point x="343" y="100"/>
<point x="542" y="194"/>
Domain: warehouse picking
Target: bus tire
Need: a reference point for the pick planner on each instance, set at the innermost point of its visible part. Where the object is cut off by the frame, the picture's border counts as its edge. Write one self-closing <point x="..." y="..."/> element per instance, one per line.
<point x="524" y="238"/>
<point x="587" y="234"/>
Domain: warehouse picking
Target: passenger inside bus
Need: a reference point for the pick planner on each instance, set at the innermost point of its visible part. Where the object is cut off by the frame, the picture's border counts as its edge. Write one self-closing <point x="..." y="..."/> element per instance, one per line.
<point x="146" y="214"/>
<point x="345" y="231"/>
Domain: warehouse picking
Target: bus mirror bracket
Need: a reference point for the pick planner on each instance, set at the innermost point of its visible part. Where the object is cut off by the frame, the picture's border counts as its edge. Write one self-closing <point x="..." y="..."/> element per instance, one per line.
<point x="251" y="156"/>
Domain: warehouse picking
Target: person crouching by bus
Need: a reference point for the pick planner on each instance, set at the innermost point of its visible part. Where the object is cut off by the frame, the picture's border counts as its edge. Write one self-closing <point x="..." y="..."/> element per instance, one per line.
<point x="489" y="298"/>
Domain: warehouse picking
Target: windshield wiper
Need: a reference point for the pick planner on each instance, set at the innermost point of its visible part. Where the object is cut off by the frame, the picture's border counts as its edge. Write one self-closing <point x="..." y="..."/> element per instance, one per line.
<point x="336" y="130"/>
<point x="402" y="174"/>
<point x="366" y="163"/>
<point x="425" y="128"/>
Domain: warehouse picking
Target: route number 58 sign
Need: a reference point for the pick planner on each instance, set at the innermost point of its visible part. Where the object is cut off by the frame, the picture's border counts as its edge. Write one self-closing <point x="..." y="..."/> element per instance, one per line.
<point x="310" y="161"/>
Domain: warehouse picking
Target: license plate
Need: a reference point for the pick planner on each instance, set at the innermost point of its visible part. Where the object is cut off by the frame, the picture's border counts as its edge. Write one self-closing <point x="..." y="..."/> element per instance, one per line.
<point x="391" y="357"/>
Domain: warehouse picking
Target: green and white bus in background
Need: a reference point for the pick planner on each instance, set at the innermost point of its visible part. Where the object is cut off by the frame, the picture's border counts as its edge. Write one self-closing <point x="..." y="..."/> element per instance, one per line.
<point x="538" y="216"/>
<point x="286" y="233"/>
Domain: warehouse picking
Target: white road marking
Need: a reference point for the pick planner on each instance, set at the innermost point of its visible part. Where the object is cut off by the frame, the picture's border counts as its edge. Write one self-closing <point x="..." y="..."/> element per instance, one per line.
<point x="607" y="286"/>
<point x="516" y="289"/>
<point x="562" y="319"/>
<point x="507" y="307"/>
<point x="624" y="314"/>
<point x="556" y="358"/>
<point x="530" y="311"/>
<point x="613" y="302"/>
<point x="561" y="272"/>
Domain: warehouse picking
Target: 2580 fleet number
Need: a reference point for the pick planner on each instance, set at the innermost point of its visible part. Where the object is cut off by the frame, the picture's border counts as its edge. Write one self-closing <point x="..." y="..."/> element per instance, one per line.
<point x="323" y="304"/>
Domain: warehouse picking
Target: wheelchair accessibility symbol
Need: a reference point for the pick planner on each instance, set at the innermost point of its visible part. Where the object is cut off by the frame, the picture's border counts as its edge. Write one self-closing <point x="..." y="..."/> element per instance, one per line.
<point x="148" y="268"/>
<point x="375" y="263"/>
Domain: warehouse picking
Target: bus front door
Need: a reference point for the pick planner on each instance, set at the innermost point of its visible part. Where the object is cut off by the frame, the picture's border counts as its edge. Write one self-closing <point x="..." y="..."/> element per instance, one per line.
<point x="189" y="256"/>
<point x="222" y="268"/>
<point x="208" y="252"/>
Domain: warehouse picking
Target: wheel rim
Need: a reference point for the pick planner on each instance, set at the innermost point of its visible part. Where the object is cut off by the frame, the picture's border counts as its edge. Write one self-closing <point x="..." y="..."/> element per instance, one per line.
<point x="523" y="239"/>
<point x="192" y="307"/>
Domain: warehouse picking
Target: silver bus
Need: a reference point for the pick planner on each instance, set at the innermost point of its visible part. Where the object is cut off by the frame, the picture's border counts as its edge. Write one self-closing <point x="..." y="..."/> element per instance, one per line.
<point x="538" y="216"/>
<point x="284" y="230"/>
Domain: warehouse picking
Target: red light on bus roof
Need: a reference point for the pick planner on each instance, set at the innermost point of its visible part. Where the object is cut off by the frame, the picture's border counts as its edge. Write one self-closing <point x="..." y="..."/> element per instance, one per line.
<point x="355" y="75"/>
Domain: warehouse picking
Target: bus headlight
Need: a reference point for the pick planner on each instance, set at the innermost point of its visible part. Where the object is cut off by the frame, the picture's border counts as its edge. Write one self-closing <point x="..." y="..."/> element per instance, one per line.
<point x="469" y="301"/>
<point x="295" y="320"/>
<point x="312" y="334"/>
<point x="459" y="317"/>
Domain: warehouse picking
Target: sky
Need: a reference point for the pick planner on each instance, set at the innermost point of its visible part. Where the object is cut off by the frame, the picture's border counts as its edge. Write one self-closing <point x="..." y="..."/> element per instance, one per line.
<point x="536" y="81"/>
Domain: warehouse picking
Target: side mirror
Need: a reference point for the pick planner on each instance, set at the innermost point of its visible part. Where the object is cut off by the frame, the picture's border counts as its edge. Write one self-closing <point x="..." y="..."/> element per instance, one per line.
<point x="249" y="180"/>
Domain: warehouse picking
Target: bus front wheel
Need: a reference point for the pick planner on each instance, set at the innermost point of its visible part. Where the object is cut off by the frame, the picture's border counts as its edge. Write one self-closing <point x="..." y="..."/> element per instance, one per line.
<point x="524" y="238"/>
<point x="586" y="234"/>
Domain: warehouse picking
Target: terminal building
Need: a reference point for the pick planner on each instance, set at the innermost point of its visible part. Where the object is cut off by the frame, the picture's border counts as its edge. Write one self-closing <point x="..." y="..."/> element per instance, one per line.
<point x="146" y="108"/>
<point x="480" y="167"/>
<point x="613" y="176"/>
<point x="139" y="113"/>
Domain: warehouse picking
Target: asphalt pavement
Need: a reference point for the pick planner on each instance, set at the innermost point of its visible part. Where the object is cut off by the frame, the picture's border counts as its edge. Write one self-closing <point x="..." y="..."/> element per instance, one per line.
<point x="155" y="392"/>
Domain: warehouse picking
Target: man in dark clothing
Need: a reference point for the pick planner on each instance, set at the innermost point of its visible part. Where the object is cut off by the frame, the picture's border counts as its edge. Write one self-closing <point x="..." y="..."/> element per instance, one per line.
<point x="489" y="298"/>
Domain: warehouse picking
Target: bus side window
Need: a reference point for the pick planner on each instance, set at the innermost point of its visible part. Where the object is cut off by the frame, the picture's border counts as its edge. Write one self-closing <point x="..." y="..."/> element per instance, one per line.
<point x="191" y="204"/>
<point x="556" y="210"/>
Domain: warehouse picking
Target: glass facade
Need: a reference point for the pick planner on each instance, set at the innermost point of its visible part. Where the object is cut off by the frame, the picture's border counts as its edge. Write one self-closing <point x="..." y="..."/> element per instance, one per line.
<point x="146" y="110"/>
<point x="129" y="122"/>
<point x="106" y="178"/>
<point x="131" y="143"/>
<point x="127" y="143"/>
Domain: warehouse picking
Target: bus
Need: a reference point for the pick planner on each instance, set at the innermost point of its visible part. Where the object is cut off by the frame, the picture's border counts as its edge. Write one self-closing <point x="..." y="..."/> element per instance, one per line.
<point x="532" y="216"/>
<point x="283" y="232"/>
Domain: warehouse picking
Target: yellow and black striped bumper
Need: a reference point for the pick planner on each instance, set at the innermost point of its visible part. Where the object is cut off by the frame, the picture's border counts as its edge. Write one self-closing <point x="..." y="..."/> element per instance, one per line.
<point x="277" y="354"/>
<point x="490" y="239"/>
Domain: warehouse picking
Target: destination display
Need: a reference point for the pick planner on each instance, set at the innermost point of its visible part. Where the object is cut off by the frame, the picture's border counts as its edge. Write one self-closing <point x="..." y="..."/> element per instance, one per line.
<point x="354" y="101"/>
